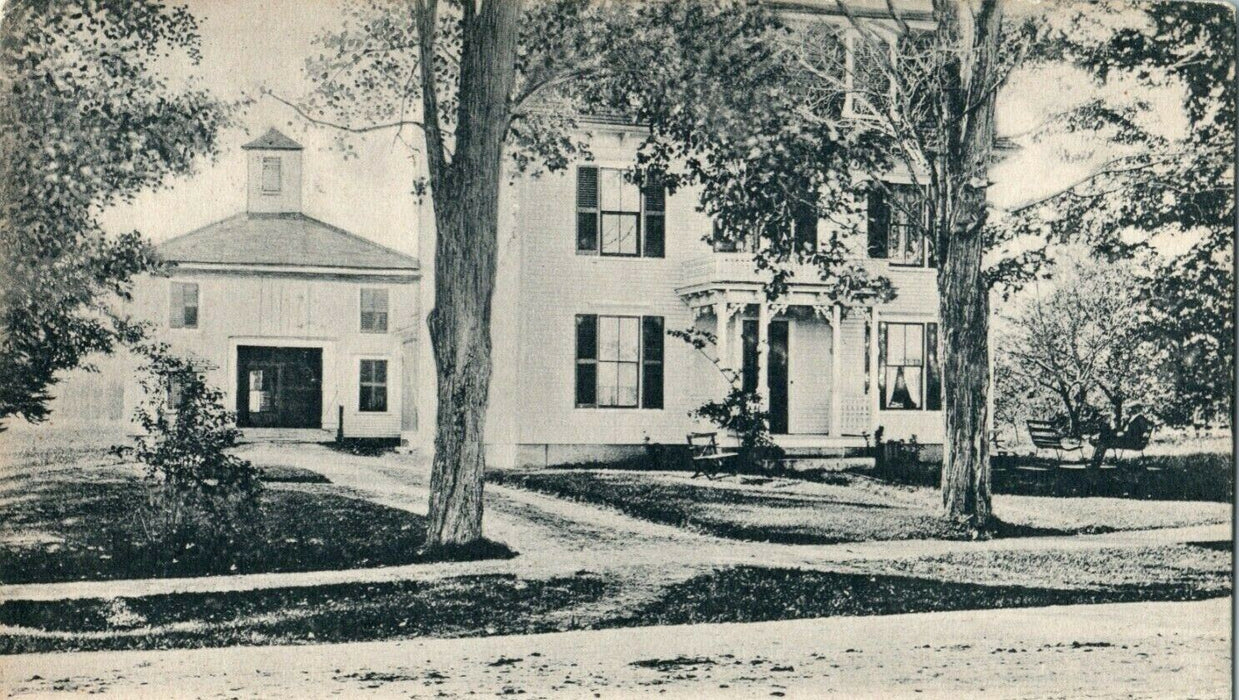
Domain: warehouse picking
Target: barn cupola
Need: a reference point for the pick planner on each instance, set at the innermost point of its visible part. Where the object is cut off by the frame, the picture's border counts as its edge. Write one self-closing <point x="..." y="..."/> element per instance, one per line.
<point x="273" y="164"/>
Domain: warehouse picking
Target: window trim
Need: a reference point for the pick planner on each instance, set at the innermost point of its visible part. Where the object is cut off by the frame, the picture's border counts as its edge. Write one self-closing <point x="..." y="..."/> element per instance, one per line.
<point x="850" y="110"/>
<point x="888" y="189"/>
<point x="360" y="310"/>
<point x="641" y="213"/>
<point x="640" y="362"/>
<point x="387" y="383"/>
<point x="279" y="173"/>
<point x="882" y="332"/>
<point x="198" y="315"/>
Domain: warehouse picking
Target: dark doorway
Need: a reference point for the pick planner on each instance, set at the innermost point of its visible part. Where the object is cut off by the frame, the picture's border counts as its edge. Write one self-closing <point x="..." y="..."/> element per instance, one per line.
<point x="777" y="373"/>
<point x="279" y="387"/>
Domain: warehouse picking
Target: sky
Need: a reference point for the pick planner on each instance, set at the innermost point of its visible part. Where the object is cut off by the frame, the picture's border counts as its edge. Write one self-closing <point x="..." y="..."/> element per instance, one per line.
<point x="249" y="46"/>
<point x="252" y="45"/>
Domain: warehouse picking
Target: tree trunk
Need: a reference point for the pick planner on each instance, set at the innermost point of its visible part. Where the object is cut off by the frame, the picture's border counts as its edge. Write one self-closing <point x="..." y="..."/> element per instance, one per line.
<point x="466" y="201"/>
<point x="964" y="312"/>
<point x="961" y="163"/>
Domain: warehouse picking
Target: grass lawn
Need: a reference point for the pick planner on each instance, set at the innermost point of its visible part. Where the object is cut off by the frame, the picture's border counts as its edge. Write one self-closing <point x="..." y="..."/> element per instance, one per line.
<point x="1183" y="477"/>
<point x="487" y="605"/>
<point x="846" y="508"/>
<point x="70" y="510"/>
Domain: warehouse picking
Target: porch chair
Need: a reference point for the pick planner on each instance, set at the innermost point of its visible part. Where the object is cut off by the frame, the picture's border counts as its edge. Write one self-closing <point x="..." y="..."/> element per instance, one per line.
<point x="1045" y="436"/>
<point x="708" y="459"/>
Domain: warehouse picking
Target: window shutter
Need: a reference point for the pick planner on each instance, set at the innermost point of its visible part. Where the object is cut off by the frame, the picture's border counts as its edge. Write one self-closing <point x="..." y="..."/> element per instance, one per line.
<point x="879" y="223"/>
<point x="586" y="360"/>
<point x="176" y="310"/>
<point x="655" y="200"/>
<point x="933" y="370"/>
<point x="587" y="209"/>
<point x="882" y="331"/>
<point x="652" y="362"/>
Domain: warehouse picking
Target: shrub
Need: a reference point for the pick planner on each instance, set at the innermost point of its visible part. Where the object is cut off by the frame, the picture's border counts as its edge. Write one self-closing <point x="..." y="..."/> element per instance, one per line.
<point x="739" y="412"/>
<point x="202" y="500"/>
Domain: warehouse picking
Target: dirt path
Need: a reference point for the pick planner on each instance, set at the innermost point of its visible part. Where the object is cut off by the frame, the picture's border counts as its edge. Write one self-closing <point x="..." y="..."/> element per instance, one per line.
<point x="557" y="538"/>
<point x="1101" y="651"/>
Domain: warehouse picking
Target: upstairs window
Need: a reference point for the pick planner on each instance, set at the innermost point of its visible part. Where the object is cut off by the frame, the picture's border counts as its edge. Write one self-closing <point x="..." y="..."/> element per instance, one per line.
<point x="870" y="62"/>
<point x="804" y="230"/>
<point x="909" y="374"/>
<point x="184" y="305"/>
<point x="271" y="175"/>
<point x="619" y="361"/>
<point x="373" y="386"/>
<point x="898" y="226"/>
<point x="373" y="310"/>
<point x="617" y="218"/>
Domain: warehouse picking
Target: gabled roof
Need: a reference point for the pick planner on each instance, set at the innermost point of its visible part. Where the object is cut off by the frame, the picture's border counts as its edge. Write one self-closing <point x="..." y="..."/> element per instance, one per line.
<point x="282" y="239"/>
<point x="273" y="140"/>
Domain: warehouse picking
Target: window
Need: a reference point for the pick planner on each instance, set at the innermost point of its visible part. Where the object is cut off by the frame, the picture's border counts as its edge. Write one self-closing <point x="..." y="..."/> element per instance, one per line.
<point x="619" y="361"/>
<point x="617" y="218"/>
<point x="184" y="305"/>
<point x="909" y="375"/>
<point x="271" y="175"/>
<point x="804" y="230"/>
<point x="373" y="384"/>
<point x="373" y="310"/>
<point x="870" y="86"/>
<point x="898" y="222"/>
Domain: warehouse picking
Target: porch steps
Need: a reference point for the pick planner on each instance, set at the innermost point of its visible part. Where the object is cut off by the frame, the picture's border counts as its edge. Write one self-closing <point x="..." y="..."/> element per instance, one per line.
<point x="286" y="435"/>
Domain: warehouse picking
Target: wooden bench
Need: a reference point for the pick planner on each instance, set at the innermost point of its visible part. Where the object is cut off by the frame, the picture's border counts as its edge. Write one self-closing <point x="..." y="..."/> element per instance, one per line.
<point x="708" y="459"/>
<point x="1045" y="436"/>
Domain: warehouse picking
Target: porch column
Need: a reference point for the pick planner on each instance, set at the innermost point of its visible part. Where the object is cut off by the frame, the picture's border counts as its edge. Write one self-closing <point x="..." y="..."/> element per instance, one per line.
<point x="836" y="346"/>
<point x="874" y="370"/>
<point x="722" y="344"/>
<point x="763" y="353"/>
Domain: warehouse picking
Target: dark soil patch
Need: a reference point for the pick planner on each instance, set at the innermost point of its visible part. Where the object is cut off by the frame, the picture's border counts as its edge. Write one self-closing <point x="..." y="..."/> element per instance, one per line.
<point x="89" y="529"/>
<point x="753" y="594"/>
<point x="676" y="664"/>
<point x="365" y="447"/>
<point x="466" y="606"/>
<point x="278" y="473"/>
<point x="1215" y="545"/>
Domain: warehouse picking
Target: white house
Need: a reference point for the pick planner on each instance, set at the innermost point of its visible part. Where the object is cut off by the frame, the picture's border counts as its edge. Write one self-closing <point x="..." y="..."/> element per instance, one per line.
<point x="307" y="328"/>
<point x="594" y="272"/>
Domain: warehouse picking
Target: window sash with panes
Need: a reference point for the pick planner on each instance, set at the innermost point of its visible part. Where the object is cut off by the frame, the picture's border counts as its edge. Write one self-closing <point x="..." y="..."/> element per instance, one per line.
<point x="372" y="383"/>
<point x="373" y="310"/>
<point x="909" y="373"/>
<point x="898" y="226"/>
<point x="619" y="361"/>
<point x="617" y="218"/>
<point x="184" y="305"/>
<point x="804" y="236"/>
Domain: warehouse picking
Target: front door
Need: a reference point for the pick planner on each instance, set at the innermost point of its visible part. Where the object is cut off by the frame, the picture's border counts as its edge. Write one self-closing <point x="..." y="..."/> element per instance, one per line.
<point x="279" y="387"/>
<point x="777" y="370"/>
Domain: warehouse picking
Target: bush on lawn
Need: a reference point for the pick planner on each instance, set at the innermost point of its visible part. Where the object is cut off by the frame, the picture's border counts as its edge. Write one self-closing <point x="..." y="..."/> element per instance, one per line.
<point x="202" y="501"/>
<point x="739" y="413"/>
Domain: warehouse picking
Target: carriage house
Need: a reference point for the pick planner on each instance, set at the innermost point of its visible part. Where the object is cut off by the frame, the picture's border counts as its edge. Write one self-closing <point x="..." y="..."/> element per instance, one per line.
<point x="306" y="327"/>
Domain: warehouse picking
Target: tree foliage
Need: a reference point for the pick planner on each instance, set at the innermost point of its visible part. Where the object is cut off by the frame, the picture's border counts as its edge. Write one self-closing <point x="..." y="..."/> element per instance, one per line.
<point x="1157" y="185"/>
<point x="1086" y="350"/>
<point x="87" y="120"/>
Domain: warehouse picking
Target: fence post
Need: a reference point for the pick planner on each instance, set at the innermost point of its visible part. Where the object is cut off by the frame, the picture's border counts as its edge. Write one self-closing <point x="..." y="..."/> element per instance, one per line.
<point x="340" y="425"/>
